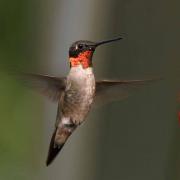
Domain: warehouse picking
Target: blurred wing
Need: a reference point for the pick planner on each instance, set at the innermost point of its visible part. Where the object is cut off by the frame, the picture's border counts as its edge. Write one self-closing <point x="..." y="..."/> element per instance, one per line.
<point x="108" y="91"/>
<point x="50" y="86"/>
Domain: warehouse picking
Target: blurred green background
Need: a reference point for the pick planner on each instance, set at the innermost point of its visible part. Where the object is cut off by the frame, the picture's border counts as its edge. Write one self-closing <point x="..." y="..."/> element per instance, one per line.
<point x="131" y="140"/>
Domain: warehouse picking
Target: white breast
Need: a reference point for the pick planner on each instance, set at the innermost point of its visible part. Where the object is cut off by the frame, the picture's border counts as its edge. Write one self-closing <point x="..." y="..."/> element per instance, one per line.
<point x="80" y="73"/>
<point x="82" y="77"/>
<point x="81" y="84"/>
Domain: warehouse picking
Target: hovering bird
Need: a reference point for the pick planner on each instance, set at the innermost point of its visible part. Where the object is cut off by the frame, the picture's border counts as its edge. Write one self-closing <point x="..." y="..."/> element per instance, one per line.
<point x="76" y="93"/>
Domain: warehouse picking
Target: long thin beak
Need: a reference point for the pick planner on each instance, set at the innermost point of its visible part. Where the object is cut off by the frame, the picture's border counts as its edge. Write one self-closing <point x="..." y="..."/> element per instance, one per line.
<point x="107" y="41"/>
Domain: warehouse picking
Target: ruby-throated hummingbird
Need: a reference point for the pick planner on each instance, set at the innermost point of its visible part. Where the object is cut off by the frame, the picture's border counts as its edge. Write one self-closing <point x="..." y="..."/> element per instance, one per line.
<point x="77" y="92"/>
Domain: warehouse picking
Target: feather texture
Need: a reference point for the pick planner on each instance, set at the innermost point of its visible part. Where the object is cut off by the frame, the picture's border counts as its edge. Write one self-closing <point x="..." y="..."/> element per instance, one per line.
<point x="49" y="86"/>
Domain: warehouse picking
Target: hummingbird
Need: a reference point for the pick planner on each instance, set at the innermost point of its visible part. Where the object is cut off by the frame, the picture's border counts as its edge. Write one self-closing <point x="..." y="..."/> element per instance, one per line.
<point x="78" y="92"/>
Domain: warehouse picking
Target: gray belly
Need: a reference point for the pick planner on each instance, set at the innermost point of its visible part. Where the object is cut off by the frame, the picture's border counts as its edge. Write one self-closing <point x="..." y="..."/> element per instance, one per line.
<point x="77" y="101"/>
<point x="79" y="94"/>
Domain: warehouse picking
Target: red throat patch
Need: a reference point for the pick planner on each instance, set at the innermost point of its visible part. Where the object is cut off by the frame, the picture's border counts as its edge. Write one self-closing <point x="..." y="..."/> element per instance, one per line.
<point x="83" y="58"/>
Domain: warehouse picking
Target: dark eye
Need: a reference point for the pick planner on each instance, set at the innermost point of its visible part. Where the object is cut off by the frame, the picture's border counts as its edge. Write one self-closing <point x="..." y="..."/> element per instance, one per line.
<point x="80" y="46"/>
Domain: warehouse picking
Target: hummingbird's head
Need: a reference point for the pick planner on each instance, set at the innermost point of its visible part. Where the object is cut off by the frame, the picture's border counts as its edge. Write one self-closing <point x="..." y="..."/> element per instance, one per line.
<point x="81" y="52"/>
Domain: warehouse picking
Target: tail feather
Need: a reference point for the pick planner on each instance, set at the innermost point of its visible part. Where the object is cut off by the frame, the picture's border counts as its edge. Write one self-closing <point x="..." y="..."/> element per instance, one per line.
<point x="53" y="150"/>
<point x="58" y="140"/>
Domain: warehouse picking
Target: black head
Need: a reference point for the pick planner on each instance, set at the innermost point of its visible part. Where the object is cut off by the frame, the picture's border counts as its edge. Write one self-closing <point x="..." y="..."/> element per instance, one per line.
<point x="82" y="46"/>
<point x="79" y="47"/>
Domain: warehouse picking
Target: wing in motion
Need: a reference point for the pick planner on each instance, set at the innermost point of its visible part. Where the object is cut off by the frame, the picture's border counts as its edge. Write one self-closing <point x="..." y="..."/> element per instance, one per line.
<point x="50" y="86"/>
<point x="108" y="90"/>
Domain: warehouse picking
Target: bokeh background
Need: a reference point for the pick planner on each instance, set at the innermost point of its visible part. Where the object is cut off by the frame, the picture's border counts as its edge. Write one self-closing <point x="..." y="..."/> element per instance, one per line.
<point x="136" y="139"/>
